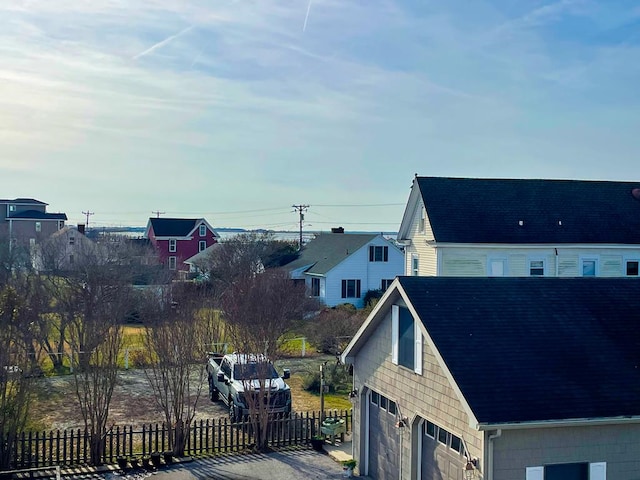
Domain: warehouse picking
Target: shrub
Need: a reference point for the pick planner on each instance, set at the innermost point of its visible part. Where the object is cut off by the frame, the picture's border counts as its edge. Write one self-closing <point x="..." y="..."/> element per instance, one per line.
<point x="333" y="328"/>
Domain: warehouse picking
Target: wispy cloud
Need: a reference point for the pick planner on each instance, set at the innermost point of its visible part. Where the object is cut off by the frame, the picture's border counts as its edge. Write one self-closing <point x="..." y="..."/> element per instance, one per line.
<point x="162" y="43"/>
<point x="181" y="102"/>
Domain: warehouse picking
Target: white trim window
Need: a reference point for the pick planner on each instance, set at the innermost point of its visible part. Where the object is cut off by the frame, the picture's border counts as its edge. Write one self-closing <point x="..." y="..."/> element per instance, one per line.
<point x="536" y="267"/>
<point x="415" y="265"/>
<point x="406" y="339"/>
<point x="631" y="267"/>
<point x="172" y="244"/>
<point x="203" y="230"/>
<point x="351" y="288"/>
<point x="589" y="266"/>
<point x="172" y="262"/>
<point x="378" y="253"/>
<point x="385" y="283"/>
<point x="202" y="245"/>
<point x="422" y="223"/>
<point x="315" y="287"/>
<point x="38" y="226"/>
<point x="560" y="471"/>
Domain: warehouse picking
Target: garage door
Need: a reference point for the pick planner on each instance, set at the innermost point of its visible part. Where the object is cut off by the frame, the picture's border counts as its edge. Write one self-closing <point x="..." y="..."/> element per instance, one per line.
<point x="442" y="454"/>
<point x="384" y="452"/>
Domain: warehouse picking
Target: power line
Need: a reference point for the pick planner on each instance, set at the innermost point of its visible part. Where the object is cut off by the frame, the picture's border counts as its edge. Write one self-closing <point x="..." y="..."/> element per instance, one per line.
<point x="301" y="209"/>
<point x="88" y="214"/>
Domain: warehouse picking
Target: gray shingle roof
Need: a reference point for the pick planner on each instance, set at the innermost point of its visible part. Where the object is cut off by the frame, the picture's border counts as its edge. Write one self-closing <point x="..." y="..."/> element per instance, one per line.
<point x="173" y="227"/>
<point x="329" y="249"/>
<point x="536" y="349"/>
<point x="474" y="210"/>
<point x="36" y="215"/>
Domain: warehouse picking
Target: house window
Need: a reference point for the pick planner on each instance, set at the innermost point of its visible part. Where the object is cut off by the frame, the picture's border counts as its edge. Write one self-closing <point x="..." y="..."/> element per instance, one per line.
<point x="632" y="268"/>
<point x="38" y="226"/>
<point x="72" y="240"/>
<point x="385" y="283"/>
<point x="351" y="288"/>
<point x="415" y="264"/>
<point x="172" y="244"/>
<point x="203" y="230"/>
<point x="12" y="208"/>
<point x="497" y="267"/>
<point x="315" y="287"/>
<point x="536" y="268"/>
<point x="422" y="225"/>
<point x="430" y="430"/>
<point x="456" y="443"/>
<point x="378" y="253"/>
<point x="406" y="339"/>
<point x="589" y="267"/>
<point x="443" y="436"/>
<point x="202" y="245"/>
<point x="172" y="263"/>
<point x="568" y="471"/>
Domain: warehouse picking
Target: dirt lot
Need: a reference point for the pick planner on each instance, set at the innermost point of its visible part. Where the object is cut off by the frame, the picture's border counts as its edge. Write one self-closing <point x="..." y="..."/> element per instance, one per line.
<point x="55" y="406"/>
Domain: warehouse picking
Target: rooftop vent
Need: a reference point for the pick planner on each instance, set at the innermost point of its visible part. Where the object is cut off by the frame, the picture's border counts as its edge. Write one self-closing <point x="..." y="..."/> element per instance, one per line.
<point x="636" y="193"/>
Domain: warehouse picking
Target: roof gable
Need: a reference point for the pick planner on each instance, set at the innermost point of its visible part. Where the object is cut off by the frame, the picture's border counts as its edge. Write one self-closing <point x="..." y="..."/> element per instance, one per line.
<point x="526" y="211"/>
<point x="328" y="250"/>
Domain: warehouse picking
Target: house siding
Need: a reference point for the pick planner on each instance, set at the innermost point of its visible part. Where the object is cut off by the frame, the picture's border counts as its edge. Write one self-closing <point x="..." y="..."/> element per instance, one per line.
<point x="358" y="267"/>
<point x="461" y="261"/>
<point x="428" y="396"/>
<point x="617" y="445"/>
<point x="428" y="265"/>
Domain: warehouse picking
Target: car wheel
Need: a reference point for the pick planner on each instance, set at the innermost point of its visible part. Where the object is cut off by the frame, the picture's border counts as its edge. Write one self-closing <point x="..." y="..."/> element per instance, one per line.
<point x="214" y="394"/>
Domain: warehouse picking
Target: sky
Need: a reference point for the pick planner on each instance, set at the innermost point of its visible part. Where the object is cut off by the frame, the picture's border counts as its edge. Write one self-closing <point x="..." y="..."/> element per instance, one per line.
<point x="235" y="110"/>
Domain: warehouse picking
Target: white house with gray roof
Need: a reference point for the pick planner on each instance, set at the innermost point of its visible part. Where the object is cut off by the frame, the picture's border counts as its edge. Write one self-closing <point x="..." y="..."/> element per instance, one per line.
<point x="342" y="267"/>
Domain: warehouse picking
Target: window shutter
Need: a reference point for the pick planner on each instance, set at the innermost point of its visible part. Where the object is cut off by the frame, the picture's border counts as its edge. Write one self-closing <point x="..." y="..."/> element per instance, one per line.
<point x="395" y="320"/>
<point x="386" y="254"/>
<point x="371" y="253"/>
<point x="598" y="471"/>
<point x="344" y="289"/>
<point x="535" y="473"/>
<point x="417" y="352"/>
<point x="357" y="288"/>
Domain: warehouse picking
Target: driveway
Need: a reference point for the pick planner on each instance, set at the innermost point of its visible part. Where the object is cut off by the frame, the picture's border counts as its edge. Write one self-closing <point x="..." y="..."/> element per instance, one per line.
<point x="307" y="464"/>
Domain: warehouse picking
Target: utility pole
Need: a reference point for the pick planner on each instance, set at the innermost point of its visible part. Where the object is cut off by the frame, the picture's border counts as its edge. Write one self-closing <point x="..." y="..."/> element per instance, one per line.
<point x="300" y="209"/>
<point x="88" y="214"/>
<point x="158" y="213"/>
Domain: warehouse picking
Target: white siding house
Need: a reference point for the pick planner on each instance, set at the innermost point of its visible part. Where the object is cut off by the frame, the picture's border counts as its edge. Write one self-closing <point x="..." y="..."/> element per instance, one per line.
<point x="519" y="228"/>
<point x="342" y="267"/>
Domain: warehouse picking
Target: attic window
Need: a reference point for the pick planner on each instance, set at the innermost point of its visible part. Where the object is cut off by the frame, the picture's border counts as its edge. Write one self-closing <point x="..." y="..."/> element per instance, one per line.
<point x="636" y="193"/>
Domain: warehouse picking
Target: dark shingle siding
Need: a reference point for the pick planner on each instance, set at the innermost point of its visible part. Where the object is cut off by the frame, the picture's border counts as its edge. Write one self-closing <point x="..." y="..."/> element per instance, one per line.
<point x="472" y="210"/>
<point x="536" y="349"/>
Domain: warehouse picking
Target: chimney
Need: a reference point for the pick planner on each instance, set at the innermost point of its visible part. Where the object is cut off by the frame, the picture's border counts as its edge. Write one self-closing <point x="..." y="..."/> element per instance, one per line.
<point x="337" y="230"/>
<point x="81" y="228"/>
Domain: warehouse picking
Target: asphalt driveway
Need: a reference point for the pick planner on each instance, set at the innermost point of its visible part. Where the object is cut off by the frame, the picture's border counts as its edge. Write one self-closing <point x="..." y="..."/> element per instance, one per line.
<point x="307" y="464"/>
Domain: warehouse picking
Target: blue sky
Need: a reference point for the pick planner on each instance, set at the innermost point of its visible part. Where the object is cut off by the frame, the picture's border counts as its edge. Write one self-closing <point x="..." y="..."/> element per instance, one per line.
<point x="235" y="110"/>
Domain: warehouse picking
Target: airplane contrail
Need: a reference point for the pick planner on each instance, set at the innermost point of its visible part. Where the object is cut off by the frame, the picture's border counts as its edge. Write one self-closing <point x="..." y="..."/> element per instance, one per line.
<point x="306" y="17"/>
<point x="162" y="43"/>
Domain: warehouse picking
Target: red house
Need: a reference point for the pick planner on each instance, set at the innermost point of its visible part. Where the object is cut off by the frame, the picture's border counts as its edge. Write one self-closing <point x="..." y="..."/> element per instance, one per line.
<point x="178" y="239"/>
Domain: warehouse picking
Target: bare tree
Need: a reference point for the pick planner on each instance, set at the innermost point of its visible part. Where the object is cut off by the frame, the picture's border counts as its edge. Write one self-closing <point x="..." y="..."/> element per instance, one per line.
<point x="177" y="332"/>
<point x="94" y="298"/>
<point x="258" y="310"/>
<point x="16" y="369"/>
